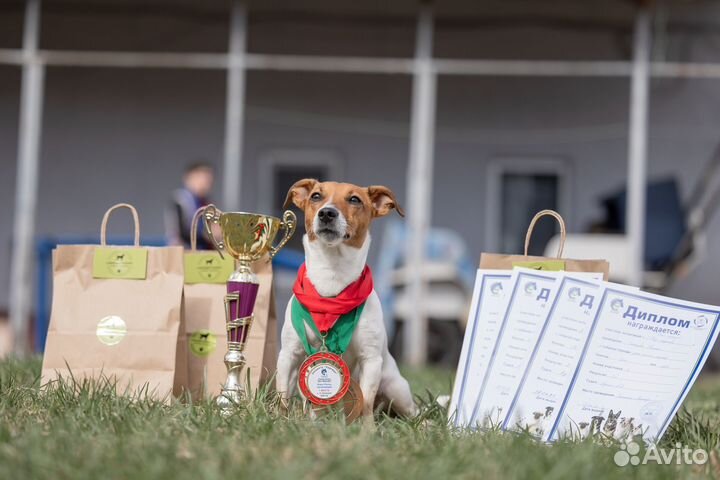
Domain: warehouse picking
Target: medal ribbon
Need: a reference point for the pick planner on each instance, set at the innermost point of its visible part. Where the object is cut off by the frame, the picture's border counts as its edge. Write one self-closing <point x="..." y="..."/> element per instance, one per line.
<point x="331" y="318"/>
<point x="337" y="339"/>
<point x="325" y="311"/>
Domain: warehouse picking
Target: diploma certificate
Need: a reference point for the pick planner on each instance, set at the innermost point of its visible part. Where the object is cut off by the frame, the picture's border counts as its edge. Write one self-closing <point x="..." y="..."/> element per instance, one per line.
<point x="641" y="357"/>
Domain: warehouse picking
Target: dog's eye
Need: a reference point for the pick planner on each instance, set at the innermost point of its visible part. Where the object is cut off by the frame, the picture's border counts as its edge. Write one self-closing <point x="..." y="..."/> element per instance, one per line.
<point x="355" y="200"/>
<point x="315" y="196"/>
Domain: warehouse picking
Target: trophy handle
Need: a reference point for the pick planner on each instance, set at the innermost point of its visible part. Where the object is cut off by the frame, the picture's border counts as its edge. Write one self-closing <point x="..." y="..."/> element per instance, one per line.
<point x="289" y="222"/>
<point x="211" y="214"/>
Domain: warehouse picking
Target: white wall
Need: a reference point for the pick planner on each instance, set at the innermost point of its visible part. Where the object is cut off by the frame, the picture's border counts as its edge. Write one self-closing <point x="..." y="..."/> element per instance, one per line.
<point x="124" y="135"/>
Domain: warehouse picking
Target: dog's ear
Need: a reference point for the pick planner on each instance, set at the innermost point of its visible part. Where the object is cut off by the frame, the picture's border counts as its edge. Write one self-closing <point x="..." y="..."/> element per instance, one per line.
<point x="299" y="193"/>
<point x="383" y="200"/>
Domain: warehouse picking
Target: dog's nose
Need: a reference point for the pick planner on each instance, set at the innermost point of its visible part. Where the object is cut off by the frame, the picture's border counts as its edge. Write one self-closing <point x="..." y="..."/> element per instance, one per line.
<point x="327" y="214"/>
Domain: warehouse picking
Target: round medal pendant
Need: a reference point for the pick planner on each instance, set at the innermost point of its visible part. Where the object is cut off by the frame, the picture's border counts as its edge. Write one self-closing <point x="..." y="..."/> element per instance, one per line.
<point x="351" y="404"/>
<point x="324" y="378"/>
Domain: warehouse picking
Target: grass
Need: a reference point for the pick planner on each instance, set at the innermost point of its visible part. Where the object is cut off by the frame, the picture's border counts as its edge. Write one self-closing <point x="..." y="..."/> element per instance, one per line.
<point x="86" y="431"/>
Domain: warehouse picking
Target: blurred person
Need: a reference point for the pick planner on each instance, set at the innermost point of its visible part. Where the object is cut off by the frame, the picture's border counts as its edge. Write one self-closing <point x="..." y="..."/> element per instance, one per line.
<point x="197" y="184"/>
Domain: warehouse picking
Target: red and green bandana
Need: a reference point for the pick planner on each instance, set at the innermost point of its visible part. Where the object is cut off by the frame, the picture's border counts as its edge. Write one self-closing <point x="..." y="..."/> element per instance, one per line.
<point x="334" y="317"/>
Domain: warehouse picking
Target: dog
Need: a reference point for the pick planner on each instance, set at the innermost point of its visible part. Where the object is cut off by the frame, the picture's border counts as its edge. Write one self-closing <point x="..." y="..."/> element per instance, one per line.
<point x="583" y="430"/>
<point x="625" y="428"/>
<point x="535" y="427"/>
<point x="595" y="424"/>
<point x="611" y="423"/>
<point x="336" y="243"/>
<point x="541" y="421"/>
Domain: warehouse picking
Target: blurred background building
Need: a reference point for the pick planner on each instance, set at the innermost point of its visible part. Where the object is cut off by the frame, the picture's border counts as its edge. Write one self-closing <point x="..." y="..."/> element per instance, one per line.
<point x="476" y="113"/>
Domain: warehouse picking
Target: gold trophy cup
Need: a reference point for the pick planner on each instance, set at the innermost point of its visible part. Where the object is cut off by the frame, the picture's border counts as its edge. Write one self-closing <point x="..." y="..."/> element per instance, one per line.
<point x="247" y="237"/>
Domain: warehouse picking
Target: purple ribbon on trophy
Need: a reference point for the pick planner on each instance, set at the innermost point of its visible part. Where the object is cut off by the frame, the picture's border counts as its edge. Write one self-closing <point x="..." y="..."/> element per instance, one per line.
<point x="240" y="305"/>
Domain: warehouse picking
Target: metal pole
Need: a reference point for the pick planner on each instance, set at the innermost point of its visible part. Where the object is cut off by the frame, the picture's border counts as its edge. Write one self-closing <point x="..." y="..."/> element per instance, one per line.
<point x="420" y="171"/>
<point x="389" y="66"/>
<point x="27" y="176"/>
<point x="235" y="108"/>
<point x="637" y="147"/>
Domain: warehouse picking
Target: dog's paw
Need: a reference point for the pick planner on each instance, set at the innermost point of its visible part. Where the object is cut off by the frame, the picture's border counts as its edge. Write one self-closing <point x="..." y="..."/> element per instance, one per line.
<point x="283" y="404"/>
<point x="368" y="422"/>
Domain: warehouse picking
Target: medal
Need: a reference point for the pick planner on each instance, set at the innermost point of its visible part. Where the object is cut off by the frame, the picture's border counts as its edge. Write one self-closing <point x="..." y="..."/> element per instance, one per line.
<point x="324" y="378"/>
<point x="351" y="404"/>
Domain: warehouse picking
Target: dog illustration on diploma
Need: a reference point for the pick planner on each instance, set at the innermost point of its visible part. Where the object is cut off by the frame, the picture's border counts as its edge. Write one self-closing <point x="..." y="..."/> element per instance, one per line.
<point x="611" y="423"/>
<point x="595" y="424"/>
<point x="541" y="422"/>
<point x="625" y="429"/>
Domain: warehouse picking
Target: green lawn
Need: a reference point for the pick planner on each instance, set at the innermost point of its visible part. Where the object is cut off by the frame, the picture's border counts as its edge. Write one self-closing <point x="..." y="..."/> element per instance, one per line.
<point x="91" y="433"/>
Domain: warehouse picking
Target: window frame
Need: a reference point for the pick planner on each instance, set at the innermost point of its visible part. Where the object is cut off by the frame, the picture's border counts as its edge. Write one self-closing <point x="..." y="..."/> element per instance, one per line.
<point x="272" y="159"/>
<point x="523" y="165"/>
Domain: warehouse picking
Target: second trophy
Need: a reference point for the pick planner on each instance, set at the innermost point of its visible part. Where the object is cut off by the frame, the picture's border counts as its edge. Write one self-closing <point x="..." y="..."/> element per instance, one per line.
<point x="246" y="237"/>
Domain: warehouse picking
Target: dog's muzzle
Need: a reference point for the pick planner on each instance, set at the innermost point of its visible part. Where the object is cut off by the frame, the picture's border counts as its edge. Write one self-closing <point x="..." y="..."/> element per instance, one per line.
<point x="329" y="224"/>
<point x="327" y="215"/>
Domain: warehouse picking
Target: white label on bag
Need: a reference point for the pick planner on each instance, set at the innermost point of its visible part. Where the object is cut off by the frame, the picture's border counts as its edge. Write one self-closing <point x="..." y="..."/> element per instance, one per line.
<point x="111" y="330"/>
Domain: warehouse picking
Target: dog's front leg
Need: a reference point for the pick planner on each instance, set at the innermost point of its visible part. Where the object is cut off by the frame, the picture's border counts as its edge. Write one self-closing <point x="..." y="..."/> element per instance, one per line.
<point x="397" y="389"/>
<point x="291" y="355"/>
<point x="286" y="376"/>
<point x="370" y="375"/>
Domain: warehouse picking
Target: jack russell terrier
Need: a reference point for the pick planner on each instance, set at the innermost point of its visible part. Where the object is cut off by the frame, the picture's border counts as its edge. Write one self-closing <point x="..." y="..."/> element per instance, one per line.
<point x="337" y="240"/>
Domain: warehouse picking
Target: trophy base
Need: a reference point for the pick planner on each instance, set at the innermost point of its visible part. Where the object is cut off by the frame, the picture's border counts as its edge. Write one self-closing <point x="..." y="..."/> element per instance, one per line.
<point x="228" y="400"/>
<point x="232" y="392"/>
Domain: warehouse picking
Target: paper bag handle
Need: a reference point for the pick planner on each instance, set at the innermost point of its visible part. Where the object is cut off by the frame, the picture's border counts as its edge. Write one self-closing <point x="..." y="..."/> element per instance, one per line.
<point x="106" y="217"/>
<point x="556" y="216"/>
<point x="193" y="228"/>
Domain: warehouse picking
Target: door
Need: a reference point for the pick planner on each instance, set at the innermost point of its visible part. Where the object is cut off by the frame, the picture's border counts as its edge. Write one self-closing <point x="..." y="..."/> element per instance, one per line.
<point x="517" y="190"/>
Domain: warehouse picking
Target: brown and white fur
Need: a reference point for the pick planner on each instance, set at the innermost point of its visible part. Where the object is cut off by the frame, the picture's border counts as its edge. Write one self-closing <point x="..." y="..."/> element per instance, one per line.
<point x="337" y="240"/>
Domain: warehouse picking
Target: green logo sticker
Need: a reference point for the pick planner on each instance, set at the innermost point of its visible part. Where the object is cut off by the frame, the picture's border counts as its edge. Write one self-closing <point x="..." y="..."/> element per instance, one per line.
<point x="546" y="265"/>
<point x="130" y="263"/>
<point x="111" y="330"/>
<point x="207" y="267"/>
<point x="202" y="343"/>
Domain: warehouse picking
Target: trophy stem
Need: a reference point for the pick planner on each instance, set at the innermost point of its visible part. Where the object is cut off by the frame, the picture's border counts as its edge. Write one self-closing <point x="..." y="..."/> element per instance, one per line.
<point x="232" y="390"/>
<point x="243" y="273"/>
<point x="242" y="289"/>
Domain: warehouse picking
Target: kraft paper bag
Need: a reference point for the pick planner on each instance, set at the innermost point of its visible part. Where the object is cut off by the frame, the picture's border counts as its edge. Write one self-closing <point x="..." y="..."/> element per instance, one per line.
<point x="203" y="342"/>
<point x="116" y="314"/>
<point x="495" y="261"/>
